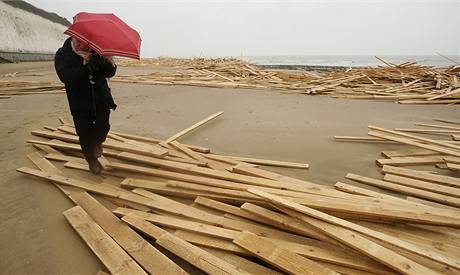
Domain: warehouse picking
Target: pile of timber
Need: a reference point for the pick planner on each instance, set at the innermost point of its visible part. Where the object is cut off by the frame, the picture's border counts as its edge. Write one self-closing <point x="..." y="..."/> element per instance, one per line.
<point x="423" y="186"/>
<point x="227" y="215"/>
<point x="19" y="87"/>
<point x="406" y="83"/>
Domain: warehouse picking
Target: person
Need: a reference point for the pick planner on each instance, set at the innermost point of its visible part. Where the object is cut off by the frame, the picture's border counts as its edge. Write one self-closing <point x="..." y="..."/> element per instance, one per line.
<point x="84" y="74"/>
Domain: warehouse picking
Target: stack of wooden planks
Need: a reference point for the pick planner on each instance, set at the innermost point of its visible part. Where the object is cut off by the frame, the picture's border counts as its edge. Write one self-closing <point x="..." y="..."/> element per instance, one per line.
<point x="20" y="87"/>
<point x="227" y="215"/>
<point x="406" y="83"/>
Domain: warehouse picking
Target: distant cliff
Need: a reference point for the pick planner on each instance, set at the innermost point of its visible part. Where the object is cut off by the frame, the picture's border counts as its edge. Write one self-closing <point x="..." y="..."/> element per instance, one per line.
<point x="23" y="5"/>
<point x="29" y="33"/>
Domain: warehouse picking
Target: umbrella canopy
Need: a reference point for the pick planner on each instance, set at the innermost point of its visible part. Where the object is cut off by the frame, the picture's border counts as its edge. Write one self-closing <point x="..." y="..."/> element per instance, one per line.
<point x="106" y="34"/>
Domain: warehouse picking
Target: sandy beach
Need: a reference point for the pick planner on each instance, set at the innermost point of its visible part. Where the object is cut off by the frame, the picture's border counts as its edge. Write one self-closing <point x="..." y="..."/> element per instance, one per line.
<point x="263" y="124"/>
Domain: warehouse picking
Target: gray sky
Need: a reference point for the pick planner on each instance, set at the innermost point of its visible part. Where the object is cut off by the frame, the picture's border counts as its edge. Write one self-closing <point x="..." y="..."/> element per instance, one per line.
<point x="235" y="28"/>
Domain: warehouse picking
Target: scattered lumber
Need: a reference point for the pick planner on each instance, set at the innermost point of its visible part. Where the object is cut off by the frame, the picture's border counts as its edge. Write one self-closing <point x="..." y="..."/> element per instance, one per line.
<point x="406" y="83"/>
<point x="224" y="215"/>
<point x="15" y="87"/>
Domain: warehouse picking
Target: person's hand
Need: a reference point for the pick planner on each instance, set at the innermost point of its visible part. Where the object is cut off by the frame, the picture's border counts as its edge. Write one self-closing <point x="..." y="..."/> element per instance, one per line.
<point x="94" y="64"/>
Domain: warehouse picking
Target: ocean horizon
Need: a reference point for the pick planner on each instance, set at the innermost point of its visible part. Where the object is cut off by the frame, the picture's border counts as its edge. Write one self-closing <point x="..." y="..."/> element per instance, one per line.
<point x="352" y="60"/>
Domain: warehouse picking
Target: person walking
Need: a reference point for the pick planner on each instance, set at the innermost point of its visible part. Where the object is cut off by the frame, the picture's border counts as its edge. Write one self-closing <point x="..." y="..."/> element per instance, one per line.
<point x="84" y="74"/>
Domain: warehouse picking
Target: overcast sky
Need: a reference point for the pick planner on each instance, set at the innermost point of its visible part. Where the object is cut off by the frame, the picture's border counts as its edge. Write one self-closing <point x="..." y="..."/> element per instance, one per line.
<point x="235" y="28"/>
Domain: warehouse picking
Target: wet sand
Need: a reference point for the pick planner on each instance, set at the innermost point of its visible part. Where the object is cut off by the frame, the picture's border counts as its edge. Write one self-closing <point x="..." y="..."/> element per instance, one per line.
<point x="34" y="236"/>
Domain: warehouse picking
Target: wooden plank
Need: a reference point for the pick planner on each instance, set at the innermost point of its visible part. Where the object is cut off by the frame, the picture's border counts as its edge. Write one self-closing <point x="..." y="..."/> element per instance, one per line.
<point x="424" y="185"/>
<point x="162" y="163"/>
<point x="56" y="145"/>
<point x="211" y="242"/>
<point x="156" y="141"/>
<point x="419" y="237"/>
<point x="409" y="153"/>
<point x="177" y="223"/>
<point x="221" y="159"/>
<point x="164" y="189"/>
<point x="53" y="135"/>
<point x="453" y="166"/>
<point x="285" y="260"/>
<point x="407" y="141"/>
<point x="114" y="258"/>
<point x="331" y="220"/>
<point x="194" y="126"/>
<point x="434" y="204"/>
<point x="456" y="137"/>
<point x="438" y="126"/>
<point x="410" y="161"/>
<point x="190" y="253"/>
<point x="422" y="175"/>
<point x="361" y="139"/>
<point x="198" y="157"/>
<point x="452" y="160"/>
<point x="215" y="190"/>
<point x="267" y="162"/>
<point x="438" y="101"/>
<point x="455" y="91"/>
<point x="147" y="151"/>
<point x="61" y="157"/>
<point x="194" y="155"/>
<point x="447" y="121"/>
<point x="398" y="200"/>
<point x="227" y="208"/>
<point x="442" y="144"/>
<point x="47" y="149"/>
<point x="287" y="222"/>
<point x="428" y="131"/>
<point x="452" y="201"/>
<point x="241" y="262"/>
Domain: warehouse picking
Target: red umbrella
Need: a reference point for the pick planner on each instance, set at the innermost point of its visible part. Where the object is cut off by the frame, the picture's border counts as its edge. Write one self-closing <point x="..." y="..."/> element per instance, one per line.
<point x="106" y="34"/>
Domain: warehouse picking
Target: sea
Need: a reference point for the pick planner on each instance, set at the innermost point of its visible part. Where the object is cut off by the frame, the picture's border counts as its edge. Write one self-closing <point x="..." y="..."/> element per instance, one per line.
<point x="352" y="61"/>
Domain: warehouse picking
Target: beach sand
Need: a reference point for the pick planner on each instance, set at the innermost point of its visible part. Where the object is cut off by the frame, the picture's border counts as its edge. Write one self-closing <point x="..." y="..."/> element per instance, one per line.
<point x="34" y="236"/>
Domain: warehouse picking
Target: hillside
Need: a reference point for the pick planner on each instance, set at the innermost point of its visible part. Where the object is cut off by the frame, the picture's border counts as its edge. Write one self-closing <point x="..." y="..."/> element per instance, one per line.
<point x="53" y="17"/>
<point x="27" y="32"/>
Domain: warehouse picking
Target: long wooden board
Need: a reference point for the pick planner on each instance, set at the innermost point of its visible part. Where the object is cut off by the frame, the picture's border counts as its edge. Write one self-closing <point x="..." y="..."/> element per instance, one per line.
<point x="414" y="137"/>
<point x="408" y="141"/>
<point x="194" y="126"/>
<point x="422" y="175"/>
<point x="452" y="201"/>
<point x="267" y="162"/>
<point x="241" y="262"/>
<point x="424" y="185"/>
<point x="284" y="259"/>
<point x="410" y="161"/>
<point x="416" y="152"/>
<point x="115" y="259"/>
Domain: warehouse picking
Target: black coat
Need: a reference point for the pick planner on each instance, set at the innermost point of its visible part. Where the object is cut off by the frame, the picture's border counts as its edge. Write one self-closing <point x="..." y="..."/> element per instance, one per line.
<point x="81" y="96"/>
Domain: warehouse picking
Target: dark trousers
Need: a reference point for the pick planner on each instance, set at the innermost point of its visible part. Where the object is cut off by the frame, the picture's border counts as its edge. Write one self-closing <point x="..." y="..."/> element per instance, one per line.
<point x="92" y="130"/>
